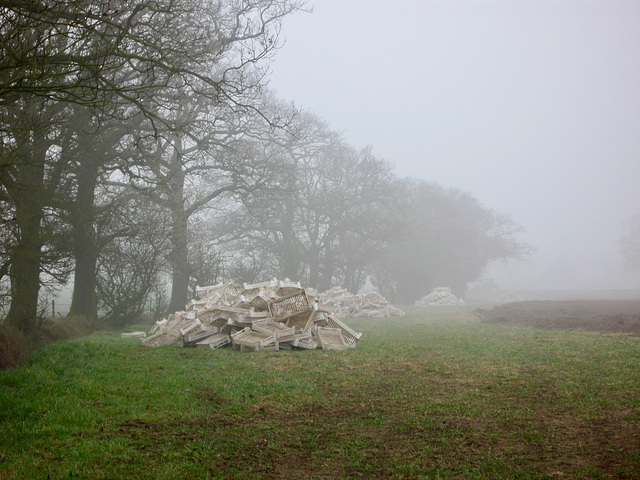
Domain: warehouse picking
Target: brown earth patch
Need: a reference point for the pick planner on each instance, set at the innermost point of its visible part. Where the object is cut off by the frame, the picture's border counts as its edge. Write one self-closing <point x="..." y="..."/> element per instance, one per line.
<point x="604" y="316"/>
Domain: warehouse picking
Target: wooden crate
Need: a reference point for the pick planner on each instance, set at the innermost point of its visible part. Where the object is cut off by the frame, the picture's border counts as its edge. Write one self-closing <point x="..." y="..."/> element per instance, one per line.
<point x="288" y="306"/>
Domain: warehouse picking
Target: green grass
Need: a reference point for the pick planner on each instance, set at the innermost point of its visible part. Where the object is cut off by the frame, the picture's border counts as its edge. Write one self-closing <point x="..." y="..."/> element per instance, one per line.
<point x="435" y="394"/>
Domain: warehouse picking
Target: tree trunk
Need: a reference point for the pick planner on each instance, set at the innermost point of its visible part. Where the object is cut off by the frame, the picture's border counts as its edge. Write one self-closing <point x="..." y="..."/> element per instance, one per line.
<point x="85" y="248"/>
<point x="326" y="279"/>
<point x="314" y="268"/>
<point x="350" y="278"/>
<point x="289" y="255"/>
<point x="329" y="263"/>
<point x="289" y="265"/>
<point x="27" y="255"/>
<point x="313" y="255"/>
<point x="179" y="260"/>
<point x="25" y="268"/>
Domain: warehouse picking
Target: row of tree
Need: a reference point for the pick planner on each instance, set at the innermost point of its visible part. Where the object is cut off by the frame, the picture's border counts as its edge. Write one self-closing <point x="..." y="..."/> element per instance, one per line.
<point x="139" y="149"/>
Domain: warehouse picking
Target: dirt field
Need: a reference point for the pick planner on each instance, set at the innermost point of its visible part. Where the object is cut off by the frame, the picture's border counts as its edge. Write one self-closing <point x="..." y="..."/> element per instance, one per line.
<point x="605" y="316"/>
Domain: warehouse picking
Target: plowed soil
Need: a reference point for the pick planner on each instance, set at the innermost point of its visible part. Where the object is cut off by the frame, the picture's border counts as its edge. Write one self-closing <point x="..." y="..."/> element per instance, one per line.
<point x="605" y="316"/>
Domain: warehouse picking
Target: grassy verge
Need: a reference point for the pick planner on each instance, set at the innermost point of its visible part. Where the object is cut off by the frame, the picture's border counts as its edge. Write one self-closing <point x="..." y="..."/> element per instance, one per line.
<point x="432" y="395"/>
<point x="16" y="347"/>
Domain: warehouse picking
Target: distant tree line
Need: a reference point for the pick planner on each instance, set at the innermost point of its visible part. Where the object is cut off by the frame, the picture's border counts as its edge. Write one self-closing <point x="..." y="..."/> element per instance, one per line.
<point x="141" y="154"/>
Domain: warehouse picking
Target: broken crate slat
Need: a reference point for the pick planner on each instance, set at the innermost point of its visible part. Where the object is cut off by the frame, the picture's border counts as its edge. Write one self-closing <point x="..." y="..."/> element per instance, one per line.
<point x="163" y="337"/>
<point x="199" y="336"/>
<point x="157" y="326"/>
<point x="133" y="335"/>
<point x="193" y="327"/>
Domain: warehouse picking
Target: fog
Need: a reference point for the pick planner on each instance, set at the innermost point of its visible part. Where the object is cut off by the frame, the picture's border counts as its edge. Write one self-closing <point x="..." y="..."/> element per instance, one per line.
<point x="531" y="106"/>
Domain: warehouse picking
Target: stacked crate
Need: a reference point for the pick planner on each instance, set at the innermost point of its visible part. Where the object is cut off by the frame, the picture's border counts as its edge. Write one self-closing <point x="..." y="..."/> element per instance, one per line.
<point x="273" y="315"/>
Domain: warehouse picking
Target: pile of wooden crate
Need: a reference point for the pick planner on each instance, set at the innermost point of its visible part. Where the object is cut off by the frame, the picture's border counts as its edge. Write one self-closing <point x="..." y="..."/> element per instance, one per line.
<point x="344" y="304"/>
<point x="441" y="296"/>
<point x="274" y="315"/>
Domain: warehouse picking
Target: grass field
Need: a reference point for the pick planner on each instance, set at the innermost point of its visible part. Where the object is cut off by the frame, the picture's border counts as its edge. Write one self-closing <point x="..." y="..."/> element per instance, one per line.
<point x="435" y="394"/>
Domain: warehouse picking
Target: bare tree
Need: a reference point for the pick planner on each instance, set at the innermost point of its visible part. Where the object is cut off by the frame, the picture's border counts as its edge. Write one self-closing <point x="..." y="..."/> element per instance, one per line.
<point x="185" y="170"/>
<point x="96" y="149"/>
<point x="347" y="194"/>
<point x="131" y="266"/>
<point x="120" y="58"/>
<point x="31" y="166"/>
<point x="322" y="222"/>
<point x="447" y="239"/>
<point x="125" y="51"/>
<point x="273" y="218"/>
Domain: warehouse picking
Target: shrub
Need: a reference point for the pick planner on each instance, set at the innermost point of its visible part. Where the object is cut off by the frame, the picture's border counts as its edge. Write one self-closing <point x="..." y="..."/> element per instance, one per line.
<point x="14" y="348"/>
<point x="65" y="328"/>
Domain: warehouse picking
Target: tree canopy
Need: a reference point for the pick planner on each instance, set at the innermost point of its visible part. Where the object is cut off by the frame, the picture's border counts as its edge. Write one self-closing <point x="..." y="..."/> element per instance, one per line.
<point x="141" y="153"/>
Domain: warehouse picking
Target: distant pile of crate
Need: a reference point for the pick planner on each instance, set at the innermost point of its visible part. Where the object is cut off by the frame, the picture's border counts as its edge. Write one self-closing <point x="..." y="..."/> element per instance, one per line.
<point x="273" y="315"/>
<point x="441" y="296"/>
<point x="347" y="305"/>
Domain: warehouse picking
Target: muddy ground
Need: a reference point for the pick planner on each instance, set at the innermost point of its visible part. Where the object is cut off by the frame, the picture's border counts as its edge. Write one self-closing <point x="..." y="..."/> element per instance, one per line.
<point x="605" y="316"/>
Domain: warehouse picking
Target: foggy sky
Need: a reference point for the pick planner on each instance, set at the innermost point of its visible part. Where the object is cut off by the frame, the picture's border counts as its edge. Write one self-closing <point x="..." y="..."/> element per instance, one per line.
<point x="532" y="106"/>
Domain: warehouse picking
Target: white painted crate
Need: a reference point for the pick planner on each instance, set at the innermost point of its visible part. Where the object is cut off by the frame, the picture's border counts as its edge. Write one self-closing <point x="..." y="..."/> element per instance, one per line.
<point x="215" y="341"/>
<point x="251" y="339"/>
<point x="288" y="306"/>
<point x="350" y="336"/>
<point x="281" y="331"/>
<point x="332" y="339"/>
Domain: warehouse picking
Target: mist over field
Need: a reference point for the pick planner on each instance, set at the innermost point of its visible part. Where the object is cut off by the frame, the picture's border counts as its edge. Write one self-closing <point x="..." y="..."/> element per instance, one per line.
<point x="404" y="146"/>
<point x="326" y="226"/>
<point x="531" y="106"/>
